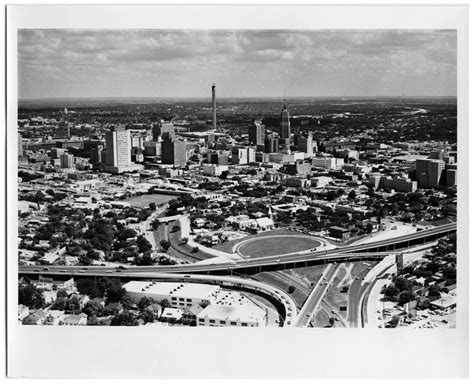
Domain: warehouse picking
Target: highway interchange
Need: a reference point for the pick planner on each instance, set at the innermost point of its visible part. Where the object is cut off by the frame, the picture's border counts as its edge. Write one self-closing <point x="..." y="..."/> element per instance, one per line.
<point x="316" y="298"/>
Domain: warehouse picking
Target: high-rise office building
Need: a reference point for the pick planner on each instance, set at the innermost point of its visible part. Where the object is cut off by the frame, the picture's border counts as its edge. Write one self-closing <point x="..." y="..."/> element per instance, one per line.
<point x="285" y="131"/>
<point x="66" y="160"/>
<point x="219" y="158"/>
<point x="173" y="151"/>
<point x="271" y="144"/>
<point x="243" y="155"/>
<point x="96" y="154"/>
<point x="159" y="129"/>
<point x="429" y="172"/>
<point x="118" y="157"/>
<point x="257" y="133"/>
<point x="304" y="143"/>
<point x="20" y="145"/>
<point x="152" y="148"/>
<point x="240" y="155"/>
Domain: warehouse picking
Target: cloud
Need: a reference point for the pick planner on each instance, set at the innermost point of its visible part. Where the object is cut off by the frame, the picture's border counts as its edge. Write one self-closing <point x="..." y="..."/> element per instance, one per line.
<point x="194" y="55"/>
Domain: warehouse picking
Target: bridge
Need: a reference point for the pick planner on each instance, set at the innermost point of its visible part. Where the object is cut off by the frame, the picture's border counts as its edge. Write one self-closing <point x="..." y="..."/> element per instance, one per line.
<point x="372" y="250"/>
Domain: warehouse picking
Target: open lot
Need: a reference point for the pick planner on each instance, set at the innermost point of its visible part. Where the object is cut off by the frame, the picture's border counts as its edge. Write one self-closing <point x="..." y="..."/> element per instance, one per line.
<point x="144" y="200"/>
<point x="276" y="245"/>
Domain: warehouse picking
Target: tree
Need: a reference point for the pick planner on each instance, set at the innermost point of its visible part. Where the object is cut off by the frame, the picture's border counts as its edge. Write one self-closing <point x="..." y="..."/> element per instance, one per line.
<point x="331" y="195"/>
<point x="184" y="240"/>
<point x="391" y="292"/>
<point x="291" y="289"/>
<point x="84" y="260"/>
<point x="124" y="319"/>
<point x="405" y="297"/>
<point x="73" y="305"/>
<point x="126" y="233"/>
<point x="92" y="254"/>
<point x="114" y="291"/>
<point x="155" y="224"/>
<point x="143" y="244"/>
<point x="29" y="295"/>
<point x="352" y="195"/>
<point x="152" y="206"/>
<point x="434" y="292"/>
<point x="195" y="249"/>
<point x="61" y="293"/>
<point x="403" y="284"/>
<point x="88" y="287"/>
<point x="145" y="260"/>
<point x="148" y="316"/>
<point x="165" y="244"/>
<point x="175" y="228"/>
<point x="450" y="273"/>
<point x="93" y="308"/>
<point x="369" y="228"/>
<point x="145" y="302"/>
<point x="165" y="303"/>
<point x="59" y="304"/>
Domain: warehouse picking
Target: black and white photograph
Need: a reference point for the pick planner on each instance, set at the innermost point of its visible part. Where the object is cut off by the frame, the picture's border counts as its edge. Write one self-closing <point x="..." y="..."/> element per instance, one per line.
<point x="171" y="180"/>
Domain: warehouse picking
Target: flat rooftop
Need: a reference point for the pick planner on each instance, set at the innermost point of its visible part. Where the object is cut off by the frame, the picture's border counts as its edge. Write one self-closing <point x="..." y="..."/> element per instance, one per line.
<point x="234" y="313"/>
<point x="174" y="289"/>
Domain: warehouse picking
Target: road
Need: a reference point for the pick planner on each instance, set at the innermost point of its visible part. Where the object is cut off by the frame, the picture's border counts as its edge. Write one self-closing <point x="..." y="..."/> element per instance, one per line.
<point x="312" y="303"/>
<point x="333" y="255"/>
<point x="357" y="292"/>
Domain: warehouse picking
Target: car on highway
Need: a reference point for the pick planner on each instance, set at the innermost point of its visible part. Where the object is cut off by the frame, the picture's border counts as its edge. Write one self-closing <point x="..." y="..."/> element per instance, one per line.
<point x="36" y="270"/>
<point x="108" y="271"/>
<point x="45" y="269"/>
<point x="122" y="267"/>
<point x="308" y="314"/>
<point x="333" y="311"/>
<point x="337" y="318"/>
<point x="62" y="271"/>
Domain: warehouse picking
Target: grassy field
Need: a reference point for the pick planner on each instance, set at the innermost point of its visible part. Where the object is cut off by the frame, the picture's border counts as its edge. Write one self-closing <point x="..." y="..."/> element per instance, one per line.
<point x="144" y="200"/>
<point x="227" y="246"/>
<point x="262" y="247"/>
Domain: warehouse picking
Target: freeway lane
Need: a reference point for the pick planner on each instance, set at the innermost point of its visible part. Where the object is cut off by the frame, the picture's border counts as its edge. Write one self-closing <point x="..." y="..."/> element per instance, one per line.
<point x="312" y="303"/>
<point x="326" y="255"/>
<point x="357" y="292"/>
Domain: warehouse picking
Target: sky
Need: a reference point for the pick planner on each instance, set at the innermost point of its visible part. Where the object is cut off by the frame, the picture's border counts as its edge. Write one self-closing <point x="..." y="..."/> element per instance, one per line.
<point x="242" y="63"/>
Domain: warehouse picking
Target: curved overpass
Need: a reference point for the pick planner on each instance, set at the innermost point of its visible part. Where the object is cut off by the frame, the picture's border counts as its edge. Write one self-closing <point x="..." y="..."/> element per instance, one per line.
<point x="344" y="253"/>
<point x="287" y="303"/>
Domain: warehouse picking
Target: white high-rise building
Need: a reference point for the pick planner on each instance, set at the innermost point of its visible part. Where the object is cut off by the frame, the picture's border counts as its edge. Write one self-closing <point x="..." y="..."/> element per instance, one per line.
<point x="118" y="157"/>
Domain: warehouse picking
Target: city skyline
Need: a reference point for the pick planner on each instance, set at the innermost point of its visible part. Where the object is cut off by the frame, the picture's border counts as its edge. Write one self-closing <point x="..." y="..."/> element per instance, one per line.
<point x="166" y="64"/>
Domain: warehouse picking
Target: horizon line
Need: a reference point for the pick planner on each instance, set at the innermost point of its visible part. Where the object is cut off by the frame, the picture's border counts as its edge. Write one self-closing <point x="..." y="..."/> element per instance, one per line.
<point x="233" y="97"/>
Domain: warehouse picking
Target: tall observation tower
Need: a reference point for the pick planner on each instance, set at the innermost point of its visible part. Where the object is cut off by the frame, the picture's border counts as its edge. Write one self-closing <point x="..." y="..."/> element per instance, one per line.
<point x="214" y="118"/>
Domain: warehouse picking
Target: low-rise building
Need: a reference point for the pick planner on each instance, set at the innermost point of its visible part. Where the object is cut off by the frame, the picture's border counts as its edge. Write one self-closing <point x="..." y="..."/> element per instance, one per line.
<point x="215" y="315"/>
<point x="339" y="232"/>
<point x="75" y="320"/>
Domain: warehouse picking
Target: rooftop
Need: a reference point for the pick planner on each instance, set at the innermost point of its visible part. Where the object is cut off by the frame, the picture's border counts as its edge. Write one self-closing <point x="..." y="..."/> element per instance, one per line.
<point x="242" y="313"/>
<point x="178" y="289"/>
